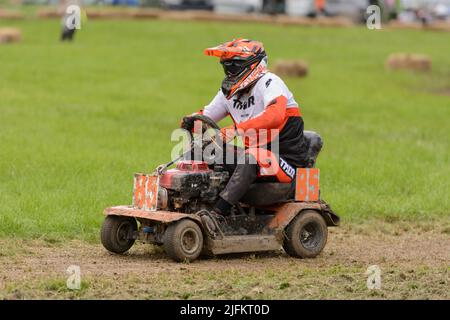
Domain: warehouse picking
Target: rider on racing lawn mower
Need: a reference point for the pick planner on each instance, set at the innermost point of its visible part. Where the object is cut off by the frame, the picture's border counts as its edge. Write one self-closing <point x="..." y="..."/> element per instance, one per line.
<point x="255" y="99"/>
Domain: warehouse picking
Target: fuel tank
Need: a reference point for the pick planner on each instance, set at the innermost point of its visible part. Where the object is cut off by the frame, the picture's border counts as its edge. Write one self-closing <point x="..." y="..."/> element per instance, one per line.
<point x="188" y="175"/>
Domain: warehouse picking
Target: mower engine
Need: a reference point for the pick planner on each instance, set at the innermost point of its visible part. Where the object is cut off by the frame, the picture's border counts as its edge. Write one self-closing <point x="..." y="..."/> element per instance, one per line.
<point x="190" y="187"/>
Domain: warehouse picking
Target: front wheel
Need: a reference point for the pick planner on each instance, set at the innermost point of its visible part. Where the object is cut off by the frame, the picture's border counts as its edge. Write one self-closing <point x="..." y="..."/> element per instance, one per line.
<point x="306" y="235"/>
<point x="117" y="233"/>
<point x="183" y="240"/>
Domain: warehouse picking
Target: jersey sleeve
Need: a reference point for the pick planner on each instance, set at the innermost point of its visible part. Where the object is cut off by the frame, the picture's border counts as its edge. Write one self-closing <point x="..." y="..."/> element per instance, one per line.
<point x="274" y="88"/>
<point x="271" y="118"/>
<point x="217" y="108"/>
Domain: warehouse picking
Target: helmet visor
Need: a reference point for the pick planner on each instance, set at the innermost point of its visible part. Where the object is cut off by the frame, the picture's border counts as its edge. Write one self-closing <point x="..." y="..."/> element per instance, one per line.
<point x="233" y="67"/>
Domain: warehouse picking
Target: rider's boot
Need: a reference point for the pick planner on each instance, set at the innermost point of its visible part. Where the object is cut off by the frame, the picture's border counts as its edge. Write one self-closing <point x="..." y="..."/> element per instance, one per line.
<point x="212" y="222"/>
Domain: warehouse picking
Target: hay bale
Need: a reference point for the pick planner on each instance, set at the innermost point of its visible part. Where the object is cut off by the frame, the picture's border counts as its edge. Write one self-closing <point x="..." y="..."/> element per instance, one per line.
<point x="294" y="21"/>
<point x="334" y="22"/>
<point x="320" y="21"/>
<point x="9" y="35"/>
<point x="185" y="15"/>
<point x="439" y="26"/>
<point x="253" y="18"/>
<point x="405" y="25"/>
<point x="49" y="13"/>
<point x="108" y="14"/>
<point x="218" y="17"/>
<point x="291" y="68"/>
<point x="6" y="14"/>
<point x="146" y="14"/>
<point x="408" y="61"/>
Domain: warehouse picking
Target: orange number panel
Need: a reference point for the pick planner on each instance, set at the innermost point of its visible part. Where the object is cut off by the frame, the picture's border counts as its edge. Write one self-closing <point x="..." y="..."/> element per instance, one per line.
<point x="307" y="184"/>
<point x="145" y="194"/>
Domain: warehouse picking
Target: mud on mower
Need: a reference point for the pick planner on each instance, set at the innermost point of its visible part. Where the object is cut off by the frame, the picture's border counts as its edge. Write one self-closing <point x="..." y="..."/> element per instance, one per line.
<point x="167" y="206"/>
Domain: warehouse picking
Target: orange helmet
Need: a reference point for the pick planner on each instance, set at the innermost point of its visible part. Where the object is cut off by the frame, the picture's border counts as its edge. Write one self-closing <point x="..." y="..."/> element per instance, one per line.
<point x="244" y="62"/>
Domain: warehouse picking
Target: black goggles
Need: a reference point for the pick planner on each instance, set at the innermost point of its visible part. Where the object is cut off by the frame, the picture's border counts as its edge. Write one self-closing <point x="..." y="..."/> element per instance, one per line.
<point x="233" y="67"/>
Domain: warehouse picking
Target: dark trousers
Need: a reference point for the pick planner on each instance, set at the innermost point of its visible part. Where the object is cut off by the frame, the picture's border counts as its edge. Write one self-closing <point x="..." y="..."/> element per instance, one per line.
<point x="243" y="175"/>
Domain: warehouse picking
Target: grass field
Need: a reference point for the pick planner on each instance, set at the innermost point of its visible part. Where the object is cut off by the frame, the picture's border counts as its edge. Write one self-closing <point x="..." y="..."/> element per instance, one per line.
<point x="77" y="120"/>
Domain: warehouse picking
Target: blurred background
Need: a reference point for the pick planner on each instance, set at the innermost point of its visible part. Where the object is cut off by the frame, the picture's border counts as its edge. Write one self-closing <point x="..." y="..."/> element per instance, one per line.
<point x="403" y="10"/>
<point x="81" y="112"/>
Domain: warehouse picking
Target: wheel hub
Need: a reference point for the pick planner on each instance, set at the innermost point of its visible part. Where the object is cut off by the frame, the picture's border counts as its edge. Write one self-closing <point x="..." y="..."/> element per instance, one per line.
<point x="189" y="241"/>
<point x="310" y="235"/>
<point x="123" y="232"/>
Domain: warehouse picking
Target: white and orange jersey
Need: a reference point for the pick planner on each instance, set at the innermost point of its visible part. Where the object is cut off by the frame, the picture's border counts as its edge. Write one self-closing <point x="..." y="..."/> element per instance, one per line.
<point x="253" y="103"/>
<point x="268" y="105"/>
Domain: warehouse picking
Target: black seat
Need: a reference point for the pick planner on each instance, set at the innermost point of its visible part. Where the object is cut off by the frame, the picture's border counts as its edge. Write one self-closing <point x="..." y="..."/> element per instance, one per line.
<point x="268" y="193"/>
<point x="314" y="142"/>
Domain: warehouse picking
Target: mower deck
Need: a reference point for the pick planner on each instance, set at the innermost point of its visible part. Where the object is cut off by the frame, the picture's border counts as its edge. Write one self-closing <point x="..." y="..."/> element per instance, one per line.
<point x="159" y="215"/>
<point x="260" y="232"/>
<point x="283" y="213"/>
<point x="244" y="243"/>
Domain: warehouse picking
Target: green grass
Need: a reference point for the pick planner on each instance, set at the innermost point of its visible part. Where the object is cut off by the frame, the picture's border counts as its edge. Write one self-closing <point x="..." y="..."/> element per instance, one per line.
<point x="77" y="120"/>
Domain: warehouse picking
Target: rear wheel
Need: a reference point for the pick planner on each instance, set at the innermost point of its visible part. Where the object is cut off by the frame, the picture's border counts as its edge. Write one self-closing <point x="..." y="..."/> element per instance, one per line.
<point x="183" y="240"/>
<point x="117" y="233"/>
<point x="306" y="235"/>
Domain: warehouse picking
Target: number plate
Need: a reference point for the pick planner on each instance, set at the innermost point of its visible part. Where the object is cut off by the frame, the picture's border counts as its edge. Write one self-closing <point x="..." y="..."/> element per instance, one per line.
<point x="307" y="184"/>
<point x="145" y="192"/>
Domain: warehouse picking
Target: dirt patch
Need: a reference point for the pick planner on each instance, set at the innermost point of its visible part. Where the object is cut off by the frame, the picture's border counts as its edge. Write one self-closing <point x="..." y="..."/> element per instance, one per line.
<point x="192" y="15"/>
<point x="439" y="26"/>
<point x="49" y="13"/>
<point x="414" y="260"/>
<point x="404" y="25"/>
<point x="435" y="26"/>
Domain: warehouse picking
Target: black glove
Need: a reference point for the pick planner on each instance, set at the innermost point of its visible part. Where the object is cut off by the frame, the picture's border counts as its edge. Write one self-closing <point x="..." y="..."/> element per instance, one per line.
<point x="187" y="123"/>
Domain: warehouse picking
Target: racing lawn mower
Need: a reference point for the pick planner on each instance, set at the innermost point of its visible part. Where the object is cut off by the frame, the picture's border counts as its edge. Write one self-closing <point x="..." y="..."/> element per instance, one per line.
<point x="168" y="203"/>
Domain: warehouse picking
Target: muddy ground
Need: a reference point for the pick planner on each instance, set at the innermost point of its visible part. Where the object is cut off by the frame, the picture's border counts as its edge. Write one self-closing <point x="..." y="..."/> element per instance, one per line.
<point x="414" y="259"/>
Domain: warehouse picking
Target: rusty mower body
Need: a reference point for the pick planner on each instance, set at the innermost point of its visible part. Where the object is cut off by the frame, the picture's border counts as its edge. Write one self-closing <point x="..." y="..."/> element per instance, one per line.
<point x="167" y="205"/>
